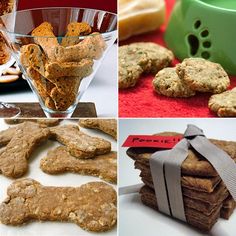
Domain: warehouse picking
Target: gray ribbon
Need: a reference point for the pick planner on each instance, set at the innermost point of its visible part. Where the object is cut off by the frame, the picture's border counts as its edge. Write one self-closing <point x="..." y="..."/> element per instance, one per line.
<point x="166" y="170"/>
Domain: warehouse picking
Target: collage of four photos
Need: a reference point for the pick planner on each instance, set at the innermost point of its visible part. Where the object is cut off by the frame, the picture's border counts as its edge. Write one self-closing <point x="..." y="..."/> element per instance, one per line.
<point x="117" y="117"/>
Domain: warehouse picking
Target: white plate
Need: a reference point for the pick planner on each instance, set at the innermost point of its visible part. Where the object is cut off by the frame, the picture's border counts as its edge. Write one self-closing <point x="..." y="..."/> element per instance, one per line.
<point x="35" y="228"/>
<point x="140" y="220"/>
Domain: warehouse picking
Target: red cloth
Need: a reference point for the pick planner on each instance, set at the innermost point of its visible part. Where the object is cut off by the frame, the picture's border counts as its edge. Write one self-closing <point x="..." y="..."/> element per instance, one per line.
<point x="142" y="101"/>
<point x="107" y="5"/>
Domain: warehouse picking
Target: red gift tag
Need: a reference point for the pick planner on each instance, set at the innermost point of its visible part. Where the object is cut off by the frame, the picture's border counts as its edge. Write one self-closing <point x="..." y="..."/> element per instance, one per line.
<point x="152" y="141"/>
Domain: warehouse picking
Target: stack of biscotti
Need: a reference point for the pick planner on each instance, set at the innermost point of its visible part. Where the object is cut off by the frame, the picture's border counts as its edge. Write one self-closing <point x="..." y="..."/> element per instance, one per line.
<point x="56" y="69"/>
<point x="205" y="196"/>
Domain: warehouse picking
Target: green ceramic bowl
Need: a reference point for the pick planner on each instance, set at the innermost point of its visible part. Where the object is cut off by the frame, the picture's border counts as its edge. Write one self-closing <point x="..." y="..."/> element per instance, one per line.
<point x="204" y="28"/>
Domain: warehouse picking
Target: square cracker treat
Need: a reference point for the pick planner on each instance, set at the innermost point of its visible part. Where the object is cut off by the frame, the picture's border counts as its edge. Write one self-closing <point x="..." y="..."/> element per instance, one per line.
<point x="59" y="160"/>
<point x="214" y="198"/>
<point x="78" y="143"/>
<point x="200" y="184"/>
<point x="92" y="206"/>
<point x="194" y="164"/>
<point x="194" y="217"/>
<point x="108" y="126"/>
<point x="44" y="122"/>
<point x="27" y="136"/>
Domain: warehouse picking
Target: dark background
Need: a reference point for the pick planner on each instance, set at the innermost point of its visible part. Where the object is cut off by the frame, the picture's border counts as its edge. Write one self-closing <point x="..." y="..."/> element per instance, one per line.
<point x="107" y="5"/>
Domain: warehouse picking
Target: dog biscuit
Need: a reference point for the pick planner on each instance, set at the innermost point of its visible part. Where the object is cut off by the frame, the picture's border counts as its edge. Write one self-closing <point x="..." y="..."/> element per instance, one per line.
<point x="78" y="143"/>
<point x="92" y="206"/>
<point x="59" y="160"/>
<point x="108" y="126"/>
<point x="27" y="136"/>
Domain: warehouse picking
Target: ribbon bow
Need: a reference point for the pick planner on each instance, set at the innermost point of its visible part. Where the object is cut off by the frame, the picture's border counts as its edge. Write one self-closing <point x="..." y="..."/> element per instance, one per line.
<point x="166" y="170"/>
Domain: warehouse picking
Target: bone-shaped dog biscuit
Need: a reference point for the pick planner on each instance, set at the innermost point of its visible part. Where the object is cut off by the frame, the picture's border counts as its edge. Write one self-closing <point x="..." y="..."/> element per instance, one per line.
<point x="28" y="135"/>
<point x="45" y="37"/>
<point x="92" y="206"/>
<point x="108" y="126"/>
<point x="75" y="29"/>
<point x="6" y="136"/>
<point x="91" y="47"/>
<point x="59" y="160"/>
<point x="78" y="143"/>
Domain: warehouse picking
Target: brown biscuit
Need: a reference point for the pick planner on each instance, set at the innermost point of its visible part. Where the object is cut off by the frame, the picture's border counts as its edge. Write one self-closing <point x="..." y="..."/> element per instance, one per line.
<point x="42" y="85"/>
<point x="43" y="122"/>
<point x="6" y="6"/>
<point x="45" y="37"/>
<point x="67" y="85"/>
<point x="193" y="216"/>
<point x="49" y="103"/>
<point x="4" y="52"/>
<point x="78" y="143"/>
<point x="194" y="164"/>
<point x="195" y="183"/>
<point x="62" y="101"/>
<point x="80" y="69"/>
<point x="138" y="58"/>
<point x="92" y="206"/>
<point x="216" y="197"/>
<point x="92" y="47"/>
<point x="228" y="208"/>
<point x="203" y="76"/>
<point x="203" y="208"/>
<point x="75" y="29"/>
<point x="59" y="160"/>
<point x="6" y="135"/>
<point x="168" y="83"/>
<point x="32" y="56"/>
<point x="28" y="135"/>
<point x="108" y="126"/>
<point x="224" y="104"/>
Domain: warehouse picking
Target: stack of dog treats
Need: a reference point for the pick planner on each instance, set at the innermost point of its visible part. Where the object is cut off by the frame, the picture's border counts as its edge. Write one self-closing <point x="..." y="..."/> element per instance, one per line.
<point x="56" y="70"/>
<point x="204" y="194"/>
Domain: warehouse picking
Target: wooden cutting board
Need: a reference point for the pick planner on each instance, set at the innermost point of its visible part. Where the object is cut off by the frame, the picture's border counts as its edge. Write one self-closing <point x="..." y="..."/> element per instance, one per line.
<point x="28" y="110"/>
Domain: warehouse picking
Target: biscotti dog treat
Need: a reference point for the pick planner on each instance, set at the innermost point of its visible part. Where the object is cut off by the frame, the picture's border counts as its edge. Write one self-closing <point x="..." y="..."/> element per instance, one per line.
<point x="78" y="143"/>
<point x="75" y="29"/>
<point x="62" y="101"/>
<point x="92" y="47"/>
<point x="4" y="53"/>
<point x="27" y="136"/>
<point x="138" y="58"/>
<point x="43" y="122"/>
<point x="60" y="160"/>
<point x="224" y="104"/>
<point x="203" y="76"/>
<point x="108" y="126"/>
<point x="6" y="6"/>
<point x="81" y="69"/>
<point x="6" y="135"/>
<point x="45" y="37"/>
<point x="92" y="206"/>
<point x="168" y="83"/>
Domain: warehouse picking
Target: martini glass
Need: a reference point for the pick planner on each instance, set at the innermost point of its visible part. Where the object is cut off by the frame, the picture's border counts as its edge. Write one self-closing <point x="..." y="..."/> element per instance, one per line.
<point x="61" y="65"/>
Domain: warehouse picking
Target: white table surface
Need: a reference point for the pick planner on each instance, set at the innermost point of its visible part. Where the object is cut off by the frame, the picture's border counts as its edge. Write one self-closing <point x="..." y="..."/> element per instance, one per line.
<point x="103" y="90"/>
<point x="47" y="228"/>
<point x="140" y="220"/>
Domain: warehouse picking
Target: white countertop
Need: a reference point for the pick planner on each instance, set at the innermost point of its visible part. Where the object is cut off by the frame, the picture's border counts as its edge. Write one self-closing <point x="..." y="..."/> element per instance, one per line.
<point x="138" y="219"/>
<point x="103" y="90"/>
